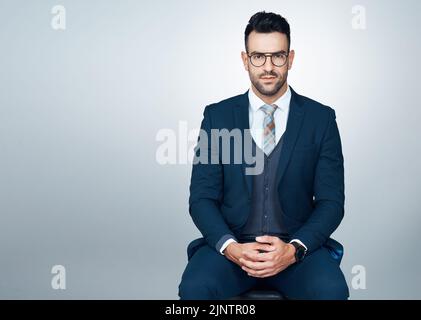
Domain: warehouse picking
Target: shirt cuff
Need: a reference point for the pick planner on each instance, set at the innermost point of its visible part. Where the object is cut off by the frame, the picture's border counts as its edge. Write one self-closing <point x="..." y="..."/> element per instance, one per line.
<point x="224" y="242"/>
<point x="299" y="242"/>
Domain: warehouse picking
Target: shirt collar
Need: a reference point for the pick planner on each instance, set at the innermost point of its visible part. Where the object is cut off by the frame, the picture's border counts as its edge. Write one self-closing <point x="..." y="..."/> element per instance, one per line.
<point x="282" y="102"/>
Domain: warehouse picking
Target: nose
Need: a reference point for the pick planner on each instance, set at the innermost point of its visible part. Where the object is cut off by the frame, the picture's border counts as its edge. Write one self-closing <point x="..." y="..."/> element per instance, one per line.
<point x="268" y="66"/>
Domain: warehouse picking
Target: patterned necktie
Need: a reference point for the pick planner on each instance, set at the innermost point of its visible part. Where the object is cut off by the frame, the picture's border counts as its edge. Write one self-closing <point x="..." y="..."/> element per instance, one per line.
<point x="269" y="141"/>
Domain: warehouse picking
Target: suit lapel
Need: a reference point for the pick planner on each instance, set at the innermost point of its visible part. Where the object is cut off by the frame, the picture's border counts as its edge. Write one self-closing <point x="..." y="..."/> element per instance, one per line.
<point x="294" y="124"/>
<point x="241" y="118"/>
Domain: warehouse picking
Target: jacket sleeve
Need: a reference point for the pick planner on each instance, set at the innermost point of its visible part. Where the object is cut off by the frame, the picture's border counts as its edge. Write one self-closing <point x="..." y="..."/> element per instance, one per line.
<point x="206" y="187"/>
<point x="328" y="188"/>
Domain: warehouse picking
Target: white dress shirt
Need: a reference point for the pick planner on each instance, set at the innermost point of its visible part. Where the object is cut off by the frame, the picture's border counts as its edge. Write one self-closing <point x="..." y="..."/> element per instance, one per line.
<point x="257" y="116"/>
<point x="256" y="119"/>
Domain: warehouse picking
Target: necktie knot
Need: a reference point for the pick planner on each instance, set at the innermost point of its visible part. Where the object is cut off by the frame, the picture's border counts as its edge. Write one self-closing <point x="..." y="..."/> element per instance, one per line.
<point x="269" y="109"/>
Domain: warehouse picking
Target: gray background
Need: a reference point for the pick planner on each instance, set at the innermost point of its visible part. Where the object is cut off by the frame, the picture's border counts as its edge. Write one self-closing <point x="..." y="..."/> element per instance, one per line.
<point x="80" y="110"/>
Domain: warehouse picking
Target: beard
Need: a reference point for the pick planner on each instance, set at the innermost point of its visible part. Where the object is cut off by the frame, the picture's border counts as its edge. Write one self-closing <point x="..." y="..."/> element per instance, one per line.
<point x="272" y="89"/>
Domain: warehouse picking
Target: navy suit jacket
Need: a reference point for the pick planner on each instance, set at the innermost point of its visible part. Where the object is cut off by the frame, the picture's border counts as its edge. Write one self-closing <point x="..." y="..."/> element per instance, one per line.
<point x="310" y="176"/>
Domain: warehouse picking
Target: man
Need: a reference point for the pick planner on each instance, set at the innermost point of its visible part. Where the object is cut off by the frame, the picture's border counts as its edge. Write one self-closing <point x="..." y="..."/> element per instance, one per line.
<point x="271" y="228"/>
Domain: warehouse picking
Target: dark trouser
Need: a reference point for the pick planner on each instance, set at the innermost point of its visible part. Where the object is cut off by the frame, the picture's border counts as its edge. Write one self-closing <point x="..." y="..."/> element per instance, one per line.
<point x="210" y="275"/>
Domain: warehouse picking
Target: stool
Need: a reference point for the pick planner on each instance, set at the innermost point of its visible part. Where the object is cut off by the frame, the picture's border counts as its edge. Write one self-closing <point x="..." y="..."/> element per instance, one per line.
<point x="259" y="293"/>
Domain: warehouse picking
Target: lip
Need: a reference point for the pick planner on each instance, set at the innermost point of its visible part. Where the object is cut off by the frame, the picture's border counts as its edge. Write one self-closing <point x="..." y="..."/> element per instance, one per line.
<point x="268" y="78"/>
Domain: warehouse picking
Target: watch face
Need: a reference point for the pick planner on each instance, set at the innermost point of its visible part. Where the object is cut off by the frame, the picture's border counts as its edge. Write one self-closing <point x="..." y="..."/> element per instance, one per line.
<point x="300" y="253"/>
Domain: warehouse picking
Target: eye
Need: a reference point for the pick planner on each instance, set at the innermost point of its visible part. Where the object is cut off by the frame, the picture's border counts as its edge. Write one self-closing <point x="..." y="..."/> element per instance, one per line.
<point x="258" y="56"/>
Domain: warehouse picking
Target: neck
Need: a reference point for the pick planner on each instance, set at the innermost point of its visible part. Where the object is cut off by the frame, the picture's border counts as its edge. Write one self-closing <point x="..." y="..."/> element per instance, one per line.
<point x="271" y="99"/>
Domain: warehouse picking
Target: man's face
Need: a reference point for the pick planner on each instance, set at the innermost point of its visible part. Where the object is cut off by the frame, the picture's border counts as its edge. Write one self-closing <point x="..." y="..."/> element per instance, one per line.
<point x="268" y="79"/>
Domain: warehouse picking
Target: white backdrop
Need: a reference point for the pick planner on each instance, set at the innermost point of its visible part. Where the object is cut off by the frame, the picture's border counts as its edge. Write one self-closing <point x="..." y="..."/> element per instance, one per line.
<point x="80" y="109"/>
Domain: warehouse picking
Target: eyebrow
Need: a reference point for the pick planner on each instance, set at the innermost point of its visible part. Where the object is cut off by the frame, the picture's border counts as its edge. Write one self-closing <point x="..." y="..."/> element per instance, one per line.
<point x="258" y="52"/>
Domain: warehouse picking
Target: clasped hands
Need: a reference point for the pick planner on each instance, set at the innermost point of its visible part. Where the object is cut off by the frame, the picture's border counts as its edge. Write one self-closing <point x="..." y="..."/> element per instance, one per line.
<point x="264" y="258"/>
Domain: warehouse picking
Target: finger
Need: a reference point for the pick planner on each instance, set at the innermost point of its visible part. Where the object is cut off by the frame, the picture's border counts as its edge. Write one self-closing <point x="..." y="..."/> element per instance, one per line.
<point x="263" y="255"/>
<point x="251" y="256"/>
<point x="264" y="247"/>
<point x="249" y="264"/>
<point x="249" y="271"/>
<point x="257" y="273"/>
<point x="255" y="256"/>
<point x="264" y="273"/>
<point x="256" y="265"/>
<point x="272" y="272"/>
<point x="248" y="256"/>
<point x="267" y="239"/>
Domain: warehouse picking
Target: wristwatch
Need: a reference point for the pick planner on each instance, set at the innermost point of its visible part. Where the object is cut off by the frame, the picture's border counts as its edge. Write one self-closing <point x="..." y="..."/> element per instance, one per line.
<point x="300" y="251"/>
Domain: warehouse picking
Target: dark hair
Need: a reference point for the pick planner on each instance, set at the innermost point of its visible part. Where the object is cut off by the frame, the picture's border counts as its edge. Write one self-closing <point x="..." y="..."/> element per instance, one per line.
<point x="266" y="22"/>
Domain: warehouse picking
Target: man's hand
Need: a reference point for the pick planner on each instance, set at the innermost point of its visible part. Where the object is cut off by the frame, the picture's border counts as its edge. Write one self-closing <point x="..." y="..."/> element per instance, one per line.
<point x="267" y="264"/>
<point x="236" y="251"/>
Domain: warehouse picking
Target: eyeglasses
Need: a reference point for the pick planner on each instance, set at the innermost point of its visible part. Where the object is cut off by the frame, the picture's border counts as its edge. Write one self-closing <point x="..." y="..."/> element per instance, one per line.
<point x="278" y="59"/>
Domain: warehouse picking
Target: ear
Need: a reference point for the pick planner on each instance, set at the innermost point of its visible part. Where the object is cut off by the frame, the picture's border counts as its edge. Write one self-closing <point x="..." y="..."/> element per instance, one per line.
<point x="245" y="59"/>
<point x="291" y="59"/>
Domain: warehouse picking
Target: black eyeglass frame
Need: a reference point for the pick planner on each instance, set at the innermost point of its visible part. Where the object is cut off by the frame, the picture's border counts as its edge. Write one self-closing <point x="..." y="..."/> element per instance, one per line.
<point x="269" y="54"/>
